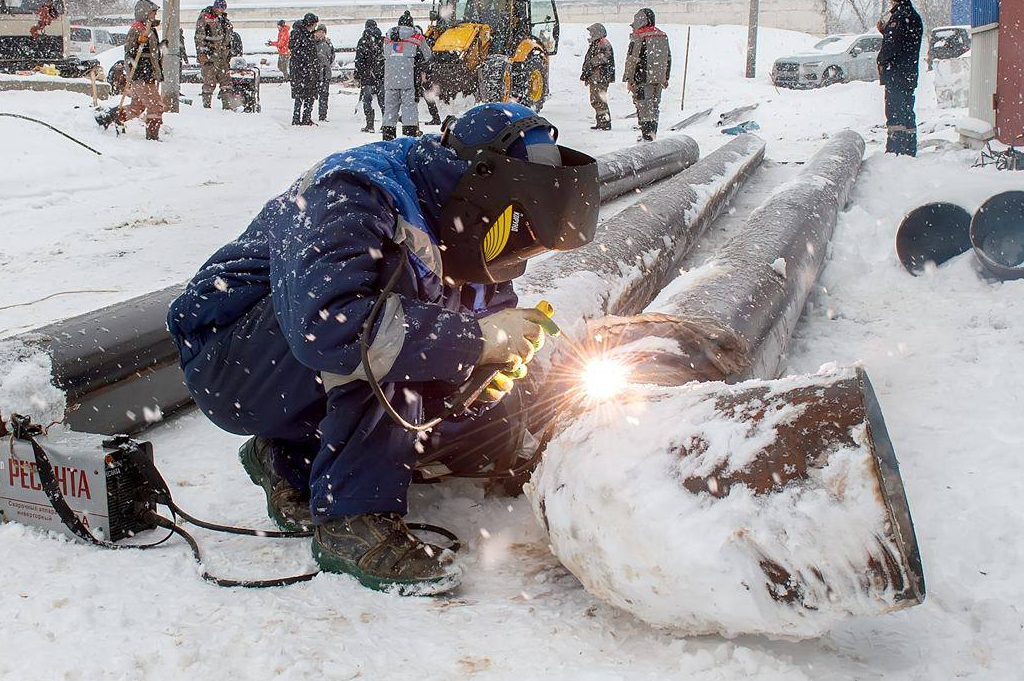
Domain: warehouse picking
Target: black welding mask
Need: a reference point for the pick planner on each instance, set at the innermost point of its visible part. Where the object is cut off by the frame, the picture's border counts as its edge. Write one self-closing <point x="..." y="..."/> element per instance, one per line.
<point x="512" y="205"/>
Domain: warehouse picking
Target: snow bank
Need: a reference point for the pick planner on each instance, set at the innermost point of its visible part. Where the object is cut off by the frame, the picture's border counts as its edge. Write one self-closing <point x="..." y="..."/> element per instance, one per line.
<point x="25" y="383"/>
<point x="707" y="509"/>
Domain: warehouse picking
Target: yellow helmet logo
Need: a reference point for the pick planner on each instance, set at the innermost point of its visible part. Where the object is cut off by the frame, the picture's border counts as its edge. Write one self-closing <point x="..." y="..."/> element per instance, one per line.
<point x="497" y="236"/>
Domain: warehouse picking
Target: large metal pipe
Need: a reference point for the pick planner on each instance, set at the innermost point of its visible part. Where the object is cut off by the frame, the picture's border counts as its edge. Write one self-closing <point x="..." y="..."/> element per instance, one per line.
<point x="735" y="319"/>
<point x="117" y="364"/>
<point x="997" y="235"/>
<point x="631" y="168"/>
<point x="932" y="234"/>
<point x="637" y="251"/>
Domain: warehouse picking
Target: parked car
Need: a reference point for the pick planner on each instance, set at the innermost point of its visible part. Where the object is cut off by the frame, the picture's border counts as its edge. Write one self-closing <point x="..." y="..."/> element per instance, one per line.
<point x="86" y="42"/>
<point x="835" y="59"/>
<point x="948" y="42"/>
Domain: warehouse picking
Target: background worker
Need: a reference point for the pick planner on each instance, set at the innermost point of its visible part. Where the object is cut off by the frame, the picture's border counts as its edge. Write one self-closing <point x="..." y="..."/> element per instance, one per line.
<point x="273" y="329"/>
<point x="325" y="57"/>
<point x="305" y="68"/>
<point x="369" y="71"/>
<point x="213" y="37"/>
<point x="424" y="90"/>
<point x="647" y="70"/>
<point x="142" y="43"/>
<point x="598" y="73"/>
<point x="897" y="72"/>
<point x="283" y="55"/>
<point x="402" y="46"/>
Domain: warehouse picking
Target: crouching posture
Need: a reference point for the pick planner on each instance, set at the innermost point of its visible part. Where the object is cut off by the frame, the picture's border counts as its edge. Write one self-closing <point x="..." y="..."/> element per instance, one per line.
<point x="396" y="256"/>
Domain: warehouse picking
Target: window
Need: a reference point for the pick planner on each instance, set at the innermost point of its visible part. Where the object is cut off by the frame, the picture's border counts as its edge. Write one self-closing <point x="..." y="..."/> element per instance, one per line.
<point x="103" y="37"/>
<point x="81" y="35"/>
<point x="544" y="24"/>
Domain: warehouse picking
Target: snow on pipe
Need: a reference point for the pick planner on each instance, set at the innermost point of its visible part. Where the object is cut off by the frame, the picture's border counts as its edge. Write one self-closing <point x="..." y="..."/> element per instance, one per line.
<point x="119" y="368"/>
<point x="631" y="168"/>
<point x="696" y="508"/>
<point x="770" y="507"/>
<point x="731" y="318"/>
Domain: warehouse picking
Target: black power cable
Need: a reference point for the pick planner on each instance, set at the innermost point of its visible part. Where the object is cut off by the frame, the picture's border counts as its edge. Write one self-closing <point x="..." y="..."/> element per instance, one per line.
<point x="47" y="125"/>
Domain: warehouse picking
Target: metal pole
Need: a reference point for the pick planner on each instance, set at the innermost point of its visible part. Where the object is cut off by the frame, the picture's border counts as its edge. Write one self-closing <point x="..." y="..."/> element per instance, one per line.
<point x="686" y="68"/>
<point x="172" y="62"/>
<point x="752" y="40"/>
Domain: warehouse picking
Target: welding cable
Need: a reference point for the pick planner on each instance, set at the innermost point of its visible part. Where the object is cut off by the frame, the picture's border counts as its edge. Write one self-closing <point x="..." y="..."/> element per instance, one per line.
<point x="230" y="529"/>
<point x="177" y="529"/>
<point x="45" y="124"/>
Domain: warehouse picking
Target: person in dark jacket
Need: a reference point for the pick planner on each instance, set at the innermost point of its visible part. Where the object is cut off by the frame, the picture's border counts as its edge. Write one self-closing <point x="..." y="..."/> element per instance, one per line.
<point x="394" y="257"/>
<point x="369" y="71"/>
<point x="142" y="43"/>
<point x="897" y="71"/>
<point x="598" y="73"/>
<point x="325" y="54"/>
<point x="647" y="70"/>
<point x="305" y="68"/>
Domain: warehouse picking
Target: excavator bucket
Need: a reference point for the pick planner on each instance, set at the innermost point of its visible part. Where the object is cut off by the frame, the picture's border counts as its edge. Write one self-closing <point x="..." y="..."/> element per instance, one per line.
<point x="780" y="508"/>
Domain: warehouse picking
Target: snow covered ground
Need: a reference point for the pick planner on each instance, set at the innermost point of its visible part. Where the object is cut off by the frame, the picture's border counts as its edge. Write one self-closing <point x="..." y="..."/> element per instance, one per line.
<point x="944" y="351"/>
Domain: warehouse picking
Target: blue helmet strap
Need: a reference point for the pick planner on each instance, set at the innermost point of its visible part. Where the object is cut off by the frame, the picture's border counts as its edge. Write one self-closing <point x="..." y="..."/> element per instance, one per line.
<point x="500" y="143"/>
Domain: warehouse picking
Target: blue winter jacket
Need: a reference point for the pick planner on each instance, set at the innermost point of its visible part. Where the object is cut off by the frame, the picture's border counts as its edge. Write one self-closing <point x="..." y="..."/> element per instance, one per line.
<point x="324" y="250"/>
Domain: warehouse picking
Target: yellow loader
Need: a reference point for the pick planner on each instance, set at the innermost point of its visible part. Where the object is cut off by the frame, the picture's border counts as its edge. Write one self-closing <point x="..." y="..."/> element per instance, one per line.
<point x="495" y="50"/>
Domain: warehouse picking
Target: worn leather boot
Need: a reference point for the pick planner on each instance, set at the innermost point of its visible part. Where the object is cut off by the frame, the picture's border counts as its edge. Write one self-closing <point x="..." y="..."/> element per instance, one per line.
<point x="411" y="131"/>
<point x="388" y="132"/>
<point x="285" y="504"/>
<point x="153" y="130"/>
<point x="207" y="101"/>
<point x="379" y="550"/>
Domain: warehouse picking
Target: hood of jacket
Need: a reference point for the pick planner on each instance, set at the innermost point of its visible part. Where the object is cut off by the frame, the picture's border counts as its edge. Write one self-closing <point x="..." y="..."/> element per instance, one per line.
<point x="597" y="31"/>
<point x="143" y="8"/>
<point x="435" y="171"/>
<point x="643" y="17"/>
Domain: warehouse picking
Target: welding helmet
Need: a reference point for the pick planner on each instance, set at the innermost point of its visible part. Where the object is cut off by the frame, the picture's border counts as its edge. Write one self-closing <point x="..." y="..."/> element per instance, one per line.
<point x="521" y="194"/>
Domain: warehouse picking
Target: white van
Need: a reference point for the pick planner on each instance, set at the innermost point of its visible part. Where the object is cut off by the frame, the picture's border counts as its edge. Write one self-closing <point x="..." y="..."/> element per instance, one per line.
<point x="87" y="42"/>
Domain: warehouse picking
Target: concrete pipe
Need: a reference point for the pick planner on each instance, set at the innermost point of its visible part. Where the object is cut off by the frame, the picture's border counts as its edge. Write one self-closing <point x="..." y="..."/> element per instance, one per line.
<point x="631" y="168"/>
<point x="933" y="233"/>
<point x="997" y="235"/>
<point x="731" y="319"/>
<point x="117" y="364"/>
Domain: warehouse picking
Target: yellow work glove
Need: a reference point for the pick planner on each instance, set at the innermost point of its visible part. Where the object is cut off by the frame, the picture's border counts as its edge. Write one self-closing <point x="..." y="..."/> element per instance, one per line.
<point x="503" y="381"/>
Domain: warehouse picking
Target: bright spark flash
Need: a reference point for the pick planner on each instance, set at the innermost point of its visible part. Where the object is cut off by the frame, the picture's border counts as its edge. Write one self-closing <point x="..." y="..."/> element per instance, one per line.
<point x="604" y="378"/>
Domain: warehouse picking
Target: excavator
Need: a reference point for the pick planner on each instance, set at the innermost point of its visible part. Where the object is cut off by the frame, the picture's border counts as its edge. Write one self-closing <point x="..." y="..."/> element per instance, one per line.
<point x="494" y="50"/>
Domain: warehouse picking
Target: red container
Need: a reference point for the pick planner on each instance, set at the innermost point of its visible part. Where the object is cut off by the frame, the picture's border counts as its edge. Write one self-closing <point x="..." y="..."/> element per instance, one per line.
<point x="1010" y="78"/>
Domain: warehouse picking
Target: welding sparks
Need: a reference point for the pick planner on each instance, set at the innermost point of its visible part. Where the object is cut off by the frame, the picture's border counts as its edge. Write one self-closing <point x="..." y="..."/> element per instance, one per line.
<point x="604" y="378"/>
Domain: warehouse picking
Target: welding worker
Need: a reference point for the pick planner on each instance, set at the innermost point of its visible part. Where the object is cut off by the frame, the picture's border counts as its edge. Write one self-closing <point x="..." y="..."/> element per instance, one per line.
<point x="213" y="37"/>
<point x="402" y="46"/>
<point x="272" y="330"/>
<point x="647" y="70"/>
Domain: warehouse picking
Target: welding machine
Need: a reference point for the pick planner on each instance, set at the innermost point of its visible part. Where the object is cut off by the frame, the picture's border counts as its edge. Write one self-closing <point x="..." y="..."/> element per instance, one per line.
<point x="102" y="490"/>
<point x="99" y="478"/>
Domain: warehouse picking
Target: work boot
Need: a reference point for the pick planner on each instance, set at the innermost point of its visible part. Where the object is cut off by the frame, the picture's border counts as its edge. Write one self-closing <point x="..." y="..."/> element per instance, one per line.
<point x="285" y="504"/>
<point x="411" y="131"/>
<point x="648" y="130"/>
<point x="369" y="122"/>
<point x="388" y="132"/>
<point x="113" y="115"/>
<point x="379" y="550"/>
<point x="436" y="120"/>
<point x="153" y="130"/>
<point x="602" y="124"/>
<point x="207" y="101"/>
